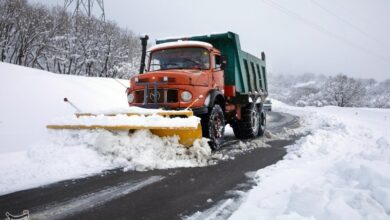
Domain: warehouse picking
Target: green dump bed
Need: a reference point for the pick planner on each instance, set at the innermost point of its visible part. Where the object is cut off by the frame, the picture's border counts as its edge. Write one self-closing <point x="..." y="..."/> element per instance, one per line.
<point x="243" y="70"/>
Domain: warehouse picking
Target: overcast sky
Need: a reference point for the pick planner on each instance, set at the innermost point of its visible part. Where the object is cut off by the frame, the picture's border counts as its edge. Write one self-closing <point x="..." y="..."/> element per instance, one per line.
<point x="318" y="36"/>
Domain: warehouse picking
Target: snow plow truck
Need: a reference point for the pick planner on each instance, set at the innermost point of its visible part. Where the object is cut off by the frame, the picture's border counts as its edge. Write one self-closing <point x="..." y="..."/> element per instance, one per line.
<point x="207" y="76"/>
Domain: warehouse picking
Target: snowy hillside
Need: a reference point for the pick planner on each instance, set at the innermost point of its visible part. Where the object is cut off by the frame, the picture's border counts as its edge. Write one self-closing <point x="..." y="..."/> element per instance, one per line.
<point x="310" y="89"/>
<point x="30" y="98"/>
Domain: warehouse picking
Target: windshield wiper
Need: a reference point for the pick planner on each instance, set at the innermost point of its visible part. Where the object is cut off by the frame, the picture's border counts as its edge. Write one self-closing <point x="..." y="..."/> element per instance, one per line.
<point x="192" y="61"/>
<point x="164" y="66"/>
<point x="198" y="65"/>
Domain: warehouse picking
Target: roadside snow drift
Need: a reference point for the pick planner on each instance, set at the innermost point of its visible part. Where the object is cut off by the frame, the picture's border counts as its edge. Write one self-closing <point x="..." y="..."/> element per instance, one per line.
<point x="340" y="170"/>
<point x="31" y="155"/>
<point x="72" y="154"/>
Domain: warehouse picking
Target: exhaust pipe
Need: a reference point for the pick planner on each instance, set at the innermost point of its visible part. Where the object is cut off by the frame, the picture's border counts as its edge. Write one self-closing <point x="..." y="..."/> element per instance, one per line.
<point x="144" y="42"/>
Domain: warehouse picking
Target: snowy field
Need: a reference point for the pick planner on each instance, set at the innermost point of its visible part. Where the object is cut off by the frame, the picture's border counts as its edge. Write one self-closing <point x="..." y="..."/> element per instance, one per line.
<point x="31" y="98"/>
<point x="340" y="170"/>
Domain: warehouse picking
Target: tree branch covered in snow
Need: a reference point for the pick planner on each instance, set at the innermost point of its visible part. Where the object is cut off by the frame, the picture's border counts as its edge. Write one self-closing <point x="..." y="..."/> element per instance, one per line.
<point x="344" y="91"/>
<point x="56" y="41"/>
<point x="318" y="90"/>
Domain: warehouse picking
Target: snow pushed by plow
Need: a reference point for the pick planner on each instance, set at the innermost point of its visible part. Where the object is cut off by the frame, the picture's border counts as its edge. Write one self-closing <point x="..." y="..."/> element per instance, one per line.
<point x="142" y="150"/>
<point x="140" y="120"/>
<point x="73" y="154"/>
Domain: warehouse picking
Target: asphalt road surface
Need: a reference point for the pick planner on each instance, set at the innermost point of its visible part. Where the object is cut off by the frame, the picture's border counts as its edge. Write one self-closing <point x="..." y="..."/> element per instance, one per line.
<point x="156" y="194"/>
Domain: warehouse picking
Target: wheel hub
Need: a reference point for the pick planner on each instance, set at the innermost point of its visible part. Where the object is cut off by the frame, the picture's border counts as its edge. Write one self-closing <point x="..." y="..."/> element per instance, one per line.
<point x="255" y="121"/>
<point x="216" y="126"/>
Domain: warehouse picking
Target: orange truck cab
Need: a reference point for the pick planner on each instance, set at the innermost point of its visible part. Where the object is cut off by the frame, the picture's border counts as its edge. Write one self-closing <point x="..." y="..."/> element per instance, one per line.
<point x="209" y="75"/>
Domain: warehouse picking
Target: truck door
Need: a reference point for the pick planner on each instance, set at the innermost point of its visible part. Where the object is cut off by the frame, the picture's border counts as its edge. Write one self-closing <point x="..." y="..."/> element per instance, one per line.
<point x="217" y="72"/>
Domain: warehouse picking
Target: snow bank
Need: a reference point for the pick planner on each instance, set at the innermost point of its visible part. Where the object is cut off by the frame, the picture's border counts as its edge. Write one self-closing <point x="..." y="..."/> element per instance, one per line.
<point x="71" y="154"/>
<point x="339" y="171"/>
<point x="143" y="151"/>
<point x="47" y="163"/>
<point x="134" y="120"/>
<point x="31" y="98"/>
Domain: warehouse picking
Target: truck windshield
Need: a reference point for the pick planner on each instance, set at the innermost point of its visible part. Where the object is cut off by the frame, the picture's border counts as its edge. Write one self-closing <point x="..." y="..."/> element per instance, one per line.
<point x="180" y="58"/>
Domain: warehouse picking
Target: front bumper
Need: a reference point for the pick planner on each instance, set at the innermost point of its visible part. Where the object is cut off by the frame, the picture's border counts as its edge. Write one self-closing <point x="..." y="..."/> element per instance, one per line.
<point x="198" y="111"/>
<point x="159" y="95"/>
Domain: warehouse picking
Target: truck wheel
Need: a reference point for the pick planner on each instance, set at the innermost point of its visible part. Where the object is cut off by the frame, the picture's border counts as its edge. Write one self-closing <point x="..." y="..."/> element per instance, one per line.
<point x="249" y="125"/>
<point x="263" y="122"/>
<point x="213" y="126"/>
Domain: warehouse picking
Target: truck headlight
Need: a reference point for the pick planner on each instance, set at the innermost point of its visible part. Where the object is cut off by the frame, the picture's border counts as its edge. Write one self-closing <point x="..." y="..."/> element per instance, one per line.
<point x="186" y="96"/>
<point x="130" y="97"/>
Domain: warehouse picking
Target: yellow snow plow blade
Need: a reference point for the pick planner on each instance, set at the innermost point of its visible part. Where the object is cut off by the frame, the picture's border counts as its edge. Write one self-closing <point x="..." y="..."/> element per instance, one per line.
<point x="187" y="134"/>
<point x="161" y="113"/>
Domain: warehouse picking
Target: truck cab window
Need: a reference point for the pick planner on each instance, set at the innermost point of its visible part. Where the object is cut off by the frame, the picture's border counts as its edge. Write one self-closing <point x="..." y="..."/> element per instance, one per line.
<point x="217" y="62"/>
<point x="155" y="65"/>
<point x="180" y="58"/>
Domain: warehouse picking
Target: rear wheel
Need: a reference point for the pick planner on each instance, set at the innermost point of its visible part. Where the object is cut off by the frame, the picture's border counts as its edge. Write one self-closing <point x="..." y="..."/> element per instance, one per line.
<point x="263" y="122"/>
<point x="213" y="126"/>
<point x="249" y="125"/>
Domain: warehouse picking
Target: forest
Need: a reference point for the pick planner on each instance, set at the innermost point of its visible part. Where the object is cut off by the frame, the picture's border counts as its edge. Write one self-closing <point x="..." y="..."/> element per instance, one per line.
<point x="311" y="89"/>
<point x="55" y="40"/>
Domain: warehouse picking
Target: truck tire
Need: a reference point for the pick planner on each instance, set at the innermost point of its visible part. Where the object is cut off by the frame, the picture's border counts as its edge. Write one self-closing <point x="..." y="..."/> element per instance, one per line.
<point x="213" y="126"/>
<point x="262" y="122"/>
<point x="249" y="125"/>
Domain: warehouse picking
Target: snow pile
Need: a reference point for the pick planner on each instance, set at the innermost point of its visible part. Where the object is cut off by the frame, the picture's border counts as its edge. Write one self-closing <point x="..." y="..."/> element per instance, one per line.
<point x="143" y="151"/>
<point x="134" y="120"/>
<point x="339" y="171"/>
<point x="72" y="154"/>
<point x="47" y="163"/>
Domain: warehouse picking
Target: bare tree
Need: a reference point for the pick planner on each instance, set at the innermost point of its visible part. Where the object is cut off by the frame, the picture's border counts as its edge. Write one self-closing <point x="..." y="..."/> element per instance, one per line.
<point x="344" y="91"/>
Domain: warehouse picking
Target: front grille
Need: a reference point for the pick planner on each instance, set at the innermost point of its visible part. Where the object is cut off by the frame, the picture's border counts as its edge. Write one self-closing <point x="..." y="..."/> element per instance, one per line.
<point x="163" y="96"/>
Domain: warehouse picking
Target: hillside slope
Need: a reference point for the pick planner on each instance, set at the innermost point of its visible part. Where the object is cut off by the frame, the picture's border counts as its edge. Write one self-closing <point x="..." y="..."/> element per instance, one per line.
<point x="30" y="98"/>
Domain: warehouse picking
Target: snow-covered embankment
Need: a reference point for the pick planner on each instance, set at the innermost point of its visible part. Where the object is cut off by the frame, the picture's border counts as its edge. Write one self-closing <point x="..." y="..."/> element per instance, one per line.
<point x="340" y="170"/>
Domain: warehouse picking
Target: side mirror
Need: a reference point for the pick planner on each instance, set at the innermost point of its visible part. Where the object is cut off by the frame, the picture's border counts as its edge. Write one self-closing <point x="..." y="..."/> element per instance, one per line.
<point x="223" y="62"/>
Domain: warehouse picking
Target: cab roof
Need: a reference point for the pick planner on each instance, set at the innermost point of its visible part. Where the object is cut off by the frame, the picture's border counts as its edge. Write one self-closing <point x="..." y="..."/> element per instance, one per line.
<point x="181" y="43"/>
